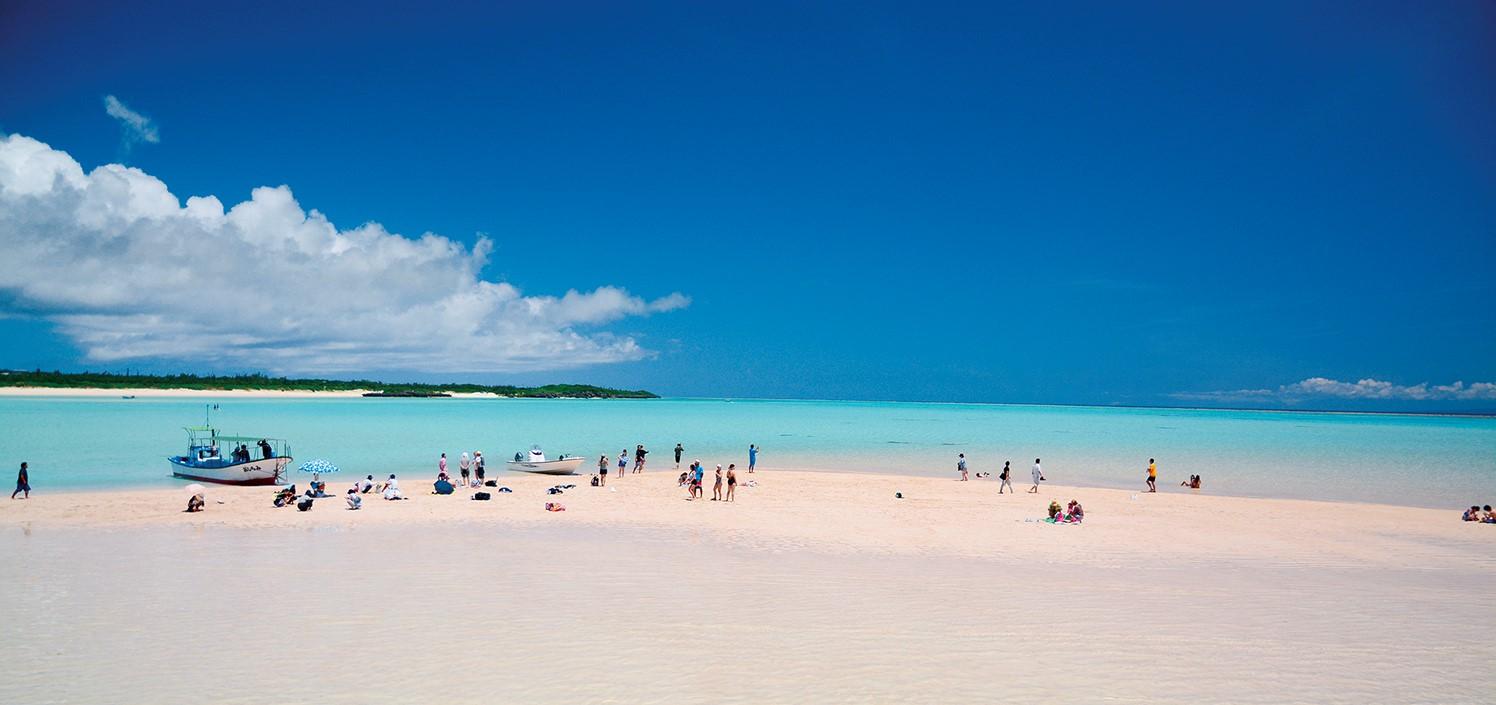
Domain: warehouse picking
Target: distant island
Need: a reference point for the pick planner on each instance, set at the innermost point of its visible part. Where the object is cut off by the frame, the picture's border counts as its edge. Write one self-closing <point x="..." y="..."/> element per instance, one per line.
<point x="260" y="382"/>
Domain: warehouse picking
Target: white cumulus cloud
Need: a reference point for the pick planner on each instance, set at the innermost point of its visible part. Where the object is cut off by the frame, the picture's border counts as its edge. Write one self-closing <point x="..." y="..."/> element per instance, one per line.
<point x="135" y="127"/>
<point x="129" y="272"/>
<point x="1325" y="388"/>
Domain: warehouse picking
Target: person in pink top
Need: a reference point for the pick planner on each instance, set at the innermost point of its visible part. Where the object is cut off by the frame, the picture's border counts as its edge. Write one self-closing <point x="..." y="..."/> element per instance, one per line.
<point x="441" y="465"/>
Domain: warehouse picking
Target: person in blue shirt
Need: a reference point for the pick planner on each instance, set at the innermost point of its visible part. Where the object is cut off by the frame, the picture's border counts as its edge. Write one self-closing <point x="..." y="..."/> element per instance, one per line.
<point x="752" y="456"/>
<point x="696" y="472"/>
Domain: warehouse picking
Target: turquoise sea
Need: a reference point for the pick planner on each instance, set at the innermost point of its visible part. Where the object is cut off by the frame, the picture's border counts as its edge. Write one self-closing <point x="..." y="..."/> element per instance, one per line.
<point x="93" y="443"/>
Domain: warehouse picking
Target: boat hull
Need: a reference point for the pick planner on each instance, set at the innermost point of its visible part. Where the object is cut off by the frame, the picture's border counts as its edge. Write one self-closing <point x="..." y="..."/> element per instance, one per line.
<point x="265" y="471"/>
<point x="567" y="466"/>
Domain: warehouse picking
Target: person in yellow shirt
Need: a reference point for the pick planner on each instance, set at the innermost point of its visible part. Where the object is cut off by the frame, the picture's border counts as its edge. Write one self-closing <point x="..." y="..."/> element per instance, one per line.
<point x="1152" y="475"/>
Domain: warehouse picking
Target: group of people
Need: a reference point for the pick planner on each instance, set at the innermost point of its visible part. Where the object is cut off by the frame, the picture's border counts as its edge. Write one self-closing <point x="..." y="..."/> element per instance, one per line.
<point x="1005" y="478"/>
<point x="471" y="470"/>
<point x="693" y="479"/>
<point x="1037" y="472"/>
<point x="242" y="454"/>
<point x="1070" y="514"/>
<point x="1480" y="514"/>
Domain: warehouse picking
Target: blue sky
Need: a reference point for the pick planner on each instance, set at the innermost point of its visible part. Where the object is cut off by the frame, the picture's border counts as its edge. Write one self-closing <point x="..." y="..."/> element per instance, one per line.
<point x="1160" y="203"/>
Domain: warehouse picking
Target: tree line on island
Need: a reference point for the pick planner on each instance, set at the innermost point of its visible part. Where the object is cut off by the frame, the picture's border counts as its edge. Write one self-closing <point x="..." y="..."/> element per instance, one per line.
<point x="262" y="382"/>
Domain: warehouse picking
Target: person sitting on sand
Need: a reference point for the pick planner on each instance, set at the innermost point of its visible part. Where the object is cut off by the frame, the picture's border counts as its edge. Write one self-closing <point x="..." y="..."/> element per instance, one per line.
<point x="195" y="503"/>
<point x="1487" y="517"/>
<point x="365" y="486"/>
<point x="1075" y="512"/>
<point x="1471" y="514"/>
<point x="354" y="500"/>
<point x="286" y="497"/>
<point x="1054" y="508"/>
<point x="681" y="481"/>
<point x="391" y="489"/>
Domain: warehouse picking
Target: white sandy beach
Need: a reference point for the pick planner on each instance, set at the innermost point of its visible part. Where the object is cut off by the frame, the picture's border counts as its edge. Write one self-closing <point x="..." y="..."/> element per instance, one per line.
<point x="813" y="586"/>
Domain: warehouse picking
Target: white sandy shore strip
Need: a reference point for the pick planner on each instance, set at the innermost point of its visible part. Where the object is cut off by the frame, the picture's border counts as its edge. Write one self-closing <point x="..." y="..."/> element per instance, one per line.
<point x="846" y="512"/>
<point x="215" y="393"/>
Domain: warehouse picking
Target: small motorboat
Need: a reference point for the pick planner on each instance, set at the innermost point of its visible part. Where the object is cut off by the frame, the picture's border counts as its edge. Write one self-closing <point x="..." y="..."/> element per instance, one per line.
<point x="229" y="460"/>
<point x="535" y="462"/>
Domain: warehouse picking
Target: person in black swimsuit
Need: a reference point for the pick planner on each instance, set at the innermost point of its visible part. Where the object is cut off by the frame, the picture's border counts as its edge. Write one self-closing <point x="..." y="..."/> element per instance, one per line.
<point x="732" y="481"/>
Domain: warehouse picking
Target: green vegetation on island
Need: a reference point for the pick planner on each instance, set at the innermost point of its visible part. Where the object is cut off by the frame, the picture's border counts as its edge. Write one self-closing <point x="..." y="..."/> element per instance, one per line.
<point x="260" y="382"/>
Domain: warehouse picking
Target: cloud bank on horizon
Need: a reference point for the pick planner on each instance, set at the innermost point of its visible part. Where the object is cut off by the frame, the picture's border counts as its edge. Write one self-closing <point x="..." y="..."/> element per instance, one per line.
<point x="1368" y="389"/>
<point x="127" y="272"/>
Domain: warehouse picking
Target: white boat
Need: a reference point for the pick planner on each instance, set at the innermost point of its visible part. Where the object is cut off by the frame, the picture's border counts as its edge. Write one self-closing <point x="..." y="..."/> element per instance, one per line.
<point x="535" y="462"/>
<point x="231" y="460"/>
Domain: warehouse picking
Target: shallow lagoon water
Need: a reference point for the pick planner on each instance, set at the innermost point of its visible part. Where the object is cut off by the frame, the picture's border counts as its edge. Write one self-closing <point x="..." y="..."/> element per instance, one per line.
<point x="1400" y="459"/>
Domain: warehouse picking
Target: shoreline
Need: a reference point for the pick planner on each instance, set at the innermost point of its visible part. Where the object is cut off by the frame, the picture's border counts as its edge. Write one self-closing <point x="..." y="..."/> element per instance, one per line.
<point x="840" y="512"/>
<point x="96" y="392"/>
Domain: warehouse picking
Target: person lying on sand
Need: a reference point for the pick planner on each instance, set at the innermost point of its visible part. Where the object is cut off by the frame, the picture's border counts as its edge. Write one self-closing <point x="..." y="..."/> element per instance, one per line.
<point x="1192" y="483"/>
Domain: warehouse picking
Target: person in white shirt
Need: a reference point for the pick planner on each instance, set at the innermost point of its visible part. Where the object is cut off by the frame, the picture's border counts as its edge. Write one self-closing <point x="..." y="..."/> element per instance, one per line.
<point x="1038" y="477"/>
<point x="392" y="489"/>
<point x="961" y="466"/>
<point x="354" y="501"/>
<point x="365" y="485"/>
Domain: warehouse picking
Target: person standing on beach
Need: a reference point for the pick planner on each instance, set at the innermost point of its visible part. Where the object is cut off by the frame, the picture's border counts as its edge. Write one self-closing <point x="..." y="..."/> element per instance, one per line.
<point x="23" y="484"/>
<point x="717" y="487"/>
<point x="639" y="454"/>
<point x="464" y="468"/>
<point x="602" y="469"/>
<point x="1038" y="473"/>
<point x="441" y="466"/>
<point x="478" y="468"/>
<point x="1005" y="478"/>
<point x="623" y="461"/>
<point x="961" y="465"/>
<point x="678" y="450"/>
<point x="1152" y="475"/>
<point x="732" y="480"/>
<point x="752" y="456"/>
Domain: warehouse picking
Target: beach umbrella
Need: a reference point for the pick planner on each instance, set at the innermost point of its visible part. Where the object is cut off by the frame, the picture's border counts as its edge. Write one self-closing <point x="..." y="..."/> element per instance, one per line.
<point x="317" y="467"/>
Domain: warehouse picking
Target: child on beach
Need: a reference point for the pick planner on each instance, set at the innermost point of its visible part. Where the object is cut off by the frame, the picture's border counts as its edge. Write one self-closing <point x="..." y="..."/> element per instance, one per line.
<point x="1004" y="477"/>
<point x="961" y="465"/>
<point x="1152" y="475"/>
<point x="717" y="487"/>
<point x="23" y="484"/>
<point x="732" y="480"/>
